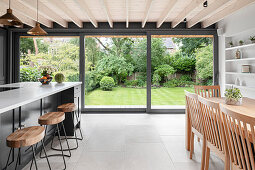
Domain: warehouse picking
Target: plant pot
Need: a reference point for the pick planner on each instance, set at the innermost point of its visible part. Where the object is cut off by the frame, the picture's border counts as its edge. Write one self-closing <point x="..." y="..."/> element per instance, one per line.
<point x="230" y="101"/>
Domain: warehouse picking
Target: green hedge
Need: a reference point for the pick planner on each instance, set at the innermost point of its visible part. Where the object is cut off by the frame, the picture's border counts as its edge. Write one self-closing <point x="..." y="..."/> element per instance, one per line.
<point x="29" y="74"/>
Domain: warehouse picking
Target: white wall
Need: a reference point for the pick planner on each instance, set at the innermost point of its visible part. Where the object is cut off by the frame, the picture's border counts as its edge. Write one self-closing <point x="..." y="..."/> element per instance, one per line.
<point x="239" y="26"/>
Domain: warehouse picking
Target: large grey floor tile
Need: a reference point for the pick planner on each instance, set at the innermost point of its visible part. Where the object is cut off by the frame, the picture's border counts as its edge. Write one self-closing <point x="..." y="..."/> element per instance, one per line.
<point x="142" y="134"/>
<point x="147" y="156"/>
<point x="100" y="161"/>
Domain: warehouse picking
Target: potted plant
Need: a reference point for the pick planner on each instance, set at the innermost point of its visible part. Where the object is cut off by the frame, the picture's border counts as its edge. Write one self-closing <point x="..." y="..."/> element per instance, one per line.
<point x="231" y="44"/>
<point x="233" y="96"/>
<point x="252" y="38"/>
<point x="241" y="42"/>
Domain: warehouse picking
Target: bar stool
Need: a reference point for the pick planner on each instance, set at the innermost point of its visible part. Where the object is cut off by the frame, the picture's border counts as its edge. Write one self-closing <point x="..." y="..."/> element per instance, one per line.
<point x="72" y="108"/>
<point x="55" y="118"/>
<point x="26" y="137"/>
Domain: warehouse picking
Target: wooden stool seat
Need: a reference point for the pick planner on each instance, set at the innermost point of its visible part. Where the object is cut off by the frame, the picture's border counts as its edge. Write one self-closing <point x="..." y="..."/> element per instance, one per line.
<point x="51" y="118"/>
<point x="67" y="107"/>
<point x="25" y="137"/>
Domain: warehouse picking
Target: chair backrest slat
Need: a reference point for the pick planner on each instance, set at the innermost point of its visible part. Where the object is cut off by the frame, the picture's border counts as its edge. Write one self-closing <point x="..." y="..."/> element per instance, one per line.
<point x="239" y="129"/>
<point x="213" y="131"/>
<point x="208" y="91"/>
<point x="194" y="111"/>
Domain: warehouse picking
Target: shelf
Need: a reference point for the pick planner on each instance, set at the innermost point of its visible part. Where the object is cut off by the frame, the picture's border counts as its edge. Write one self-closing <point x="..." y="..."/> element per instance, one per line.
<point x="246" y="74"/>
<point x="241" y="46"/>
<point x="242" y="59"/>
<point x="241" y="87"/>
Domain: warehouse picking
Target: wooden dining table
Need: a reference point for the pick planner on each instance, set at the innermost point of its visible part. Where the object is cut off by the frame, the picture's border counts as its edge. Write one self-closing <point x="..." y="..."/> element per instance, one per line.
<point x="247" y="108"/>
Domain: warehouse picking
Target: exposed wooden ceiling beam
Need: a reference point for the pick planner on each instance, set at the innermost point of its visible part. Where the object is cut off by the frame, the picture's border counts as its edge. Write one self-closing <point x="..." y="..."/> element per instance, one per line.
<point x="19" y="7"/>
<point x="84" y="8"/>
<point x="107" y="13"/>
<point x="147" y="12"/>
<point x="226" y="11"/>
<point x="23" y="18"/>
<point x="186" y="11"/>
<point x="127" y="14"/>
<point x="211" y="9"/>
<point x="166" y="13"/>
<point x="61" y="5"/>
<point x="45" y="11"/>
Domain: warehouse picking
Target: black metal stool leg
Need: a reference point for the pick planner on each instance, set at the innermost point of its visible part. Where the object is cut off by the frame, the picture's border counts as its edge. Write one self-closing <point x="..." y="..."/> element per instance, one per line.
<point x="75" y="134"/>
<point x="34" y="158"/>
<point x="61" y="147"/>
<point x="18" y="157"/>
<point x="79" y="127"/>
<point x="46" y="154"/>
<point x="11" y="150"/>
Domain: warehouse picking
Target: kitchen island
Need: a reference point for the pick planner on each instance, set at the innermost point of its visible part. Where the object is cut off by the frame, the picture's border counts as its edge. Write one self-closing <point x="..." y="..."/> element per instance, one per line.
<point x="21" y="104"/>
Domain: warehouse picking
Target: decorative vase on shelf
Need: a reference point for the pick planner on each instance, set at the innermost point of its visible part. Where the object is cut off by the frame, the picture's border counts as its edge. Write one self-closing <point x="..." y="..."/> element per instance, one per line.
<point x="238" y="54"/>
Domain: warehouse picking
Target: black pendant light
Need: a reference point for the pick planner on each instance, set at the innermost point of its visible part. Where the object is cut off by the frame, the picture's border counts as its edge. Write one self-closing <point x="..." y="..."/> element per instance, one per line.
<point x="9" y="19"/>
<point x="37" y="30"/>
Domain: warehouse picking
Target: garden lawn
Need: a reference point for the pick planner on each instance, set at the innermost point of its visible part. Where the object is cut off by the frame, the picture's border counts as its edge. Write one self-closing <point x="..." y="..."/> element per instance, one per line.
<point x="136" y="96"/>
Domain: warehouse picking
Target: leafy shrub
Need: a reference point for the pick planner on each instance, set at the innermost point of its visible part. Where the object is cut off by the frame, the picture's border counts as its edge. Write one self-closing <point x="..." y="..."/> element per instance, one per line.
<point x="29" y="74"/>
<point x="184" y="64"/>
<point x="178" y="83"/>
<point x="156" y="79"/>
<point x="131" y="83"/>
<point x="186" y="77"/>
<point x="164" y="70"/>
<point x="107" y="83"/>
<point x="73" y="77"/>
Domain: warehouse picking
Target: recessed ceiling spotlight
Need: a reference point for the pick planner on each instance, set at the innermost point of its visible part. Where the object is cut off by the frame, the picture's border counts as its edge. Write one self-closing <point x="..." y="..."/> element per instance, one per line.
<point x="205" y="4"/>
<point x="185" y="20"/>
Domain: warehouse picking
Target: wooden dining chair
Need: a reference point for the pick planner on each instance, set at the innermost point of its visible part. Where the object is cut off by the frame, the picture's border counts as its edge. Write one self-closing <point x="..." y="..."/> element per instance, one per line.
<point x="214" y="138"/>
<point x="240" y="137"/>
<point x="208" y="91"/>
<point x="193" y="112"/>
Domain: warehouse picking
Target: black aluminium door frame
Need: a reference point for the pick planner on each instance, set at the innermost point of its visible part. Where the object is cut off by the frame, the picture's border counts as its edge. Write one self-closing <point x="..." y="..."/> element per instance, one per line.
<point x="149" y="35"/>
<point x="112" y="110"/>
<point x="181" y="32"/>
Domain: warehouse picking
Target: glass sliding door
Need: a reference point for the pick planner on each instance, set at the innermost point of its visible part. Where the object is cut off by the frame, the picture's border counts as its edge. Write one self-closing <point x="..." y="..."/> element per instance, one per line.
<point x="57" y="54"/>
<point x="115" y="71"/>
<point x="178" y="62"/>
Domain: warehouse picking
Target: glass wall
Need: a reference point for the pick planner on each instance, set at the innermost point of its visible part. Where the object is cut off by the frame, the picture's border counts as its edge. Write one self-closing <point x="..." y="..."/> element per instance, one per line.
<point x="177" y="64"/>
<point x="115" y="71"/>
<point x="57" y="54"/>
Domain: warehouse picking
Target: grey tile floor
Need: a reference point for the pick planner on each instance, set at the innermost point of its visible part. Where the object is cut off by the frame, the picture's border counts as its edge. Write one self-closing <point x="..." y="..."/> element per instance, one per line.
<point x="132" y="142"/>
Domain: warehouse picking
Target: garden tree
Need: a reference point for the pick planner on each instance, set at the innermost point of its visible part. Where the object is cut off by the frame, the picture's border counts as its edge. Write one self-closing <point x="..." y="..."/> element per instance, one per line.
<point x="204" y="64"/>
<point x="92" y="52"/>
<point x="189" y="45"/>
<point x="116" y="67"/>
<point x="158" y="51"/>
<point x="27" y="45"/>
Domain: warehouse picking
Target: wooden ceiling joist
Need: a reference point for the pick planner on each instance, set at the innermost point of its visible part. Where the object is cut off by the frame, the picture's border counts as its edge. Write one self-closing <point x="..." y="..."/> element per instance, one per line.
<point x="127" y="14"/>
<point x="226" y="11"/>
<point x="61" y="5"/>
<point x="147" y="12"/>
<point x="45" y="11"/>
<point x="107" y="13"/>
<point x="182" y="36"/>
<point x="186" y="11"/>
<point x="24" y="10"/>
<point x="212" y="8"/>
<point x="84" y="8"/>
<point x="166" y="13"/>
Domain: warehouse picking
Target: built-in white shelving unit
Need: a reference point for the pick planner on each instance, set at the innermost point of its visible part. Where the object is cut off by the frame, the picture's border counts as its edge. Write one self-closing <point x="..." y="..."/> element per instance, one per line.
<point x="233" y="67"/>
